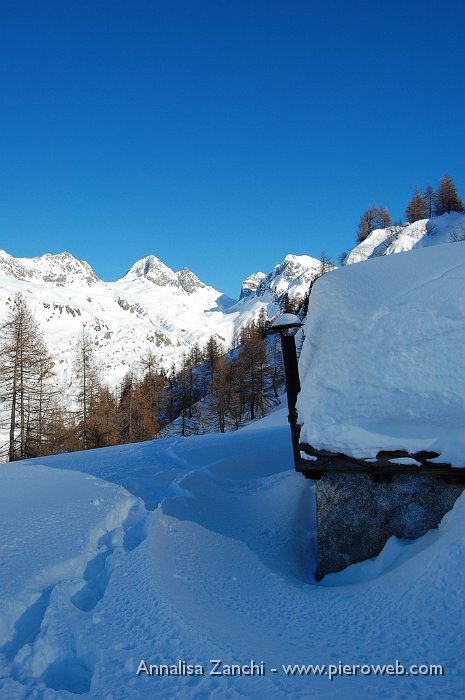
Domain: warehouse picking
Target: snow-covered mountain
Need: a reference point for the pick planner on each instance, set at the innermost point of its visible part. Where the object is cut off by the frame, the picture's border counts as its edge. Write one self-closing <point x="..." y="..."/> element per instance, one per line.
<point x="154" y="307"/>
<point x="249" y="285"/>
<point x="151" y="307"/>
<point x="175" y="552"/>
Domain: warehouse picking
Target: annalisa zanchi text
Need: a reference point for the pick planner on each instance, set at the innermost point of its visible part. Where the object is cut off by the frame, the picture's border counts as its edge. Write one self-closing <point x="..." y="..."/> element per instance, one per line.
<point x="217" y="667"/>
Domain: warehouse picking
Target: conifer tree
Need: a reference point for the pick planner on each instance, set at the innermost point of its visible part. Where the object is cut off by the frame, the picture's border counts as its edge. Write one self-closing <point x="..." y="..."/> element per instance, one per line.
<point x="25" y="379"/>
<point x="213" y="350"/>
<point x="447" y="199"/>
<point x="429" y="197"/>
<point x="417" y="208"/>
<point x="253" y="371"/>
<point x="326" y="264"/>
<point x="220" y="391"/>
<point x="102" y="423"/>
<point x="126" y="409"/>
<point x="87" y="383"/>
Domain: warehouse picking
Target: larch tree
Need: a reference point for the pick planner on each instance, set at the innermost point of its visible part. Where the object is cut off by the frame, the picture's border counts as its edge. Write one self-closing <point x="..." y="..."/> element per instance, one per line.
<point x="372" y="218"/>
<point x="87" y="383"/>
<point x="103" y="421"/>
<point x="417" y="208"/>
<point x="149" y="399"/>
<point x="25" y="379"/>
<point x="126" y="409"/>
<point x="252" y="371"/>
<point x="220" y="391"/>
<point x="429" y="197"/>
<point x="447" y="199"/>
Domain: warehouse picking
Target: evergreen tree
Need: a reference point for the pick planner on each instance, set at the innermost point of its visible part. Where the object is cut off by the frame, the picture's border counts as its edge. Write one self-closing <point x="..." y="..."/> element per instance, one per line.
<point x="417" y="208"/>
<point x="447" y="199"/>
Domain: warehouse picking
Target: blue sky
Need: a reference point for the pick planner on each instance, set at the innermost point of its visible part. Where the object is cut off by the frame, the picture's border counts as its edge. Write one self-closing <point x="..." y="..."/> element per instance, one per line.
<point x="221" y="135"/>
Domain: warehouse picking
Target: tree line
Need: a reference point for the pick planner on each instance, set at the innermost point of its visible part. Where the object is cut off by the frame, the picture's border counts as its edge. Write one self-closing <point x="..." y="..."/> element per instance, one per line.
<point x="424" y="205"/>
<point x="209" y="386"/>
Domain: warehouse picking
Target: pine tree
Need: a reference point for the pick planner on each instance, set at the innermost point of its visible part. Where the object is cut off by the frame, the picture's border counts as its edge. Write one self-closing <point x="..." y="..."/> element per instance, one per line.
<point x="447" y="199"/>
<point x="417" y="208"/>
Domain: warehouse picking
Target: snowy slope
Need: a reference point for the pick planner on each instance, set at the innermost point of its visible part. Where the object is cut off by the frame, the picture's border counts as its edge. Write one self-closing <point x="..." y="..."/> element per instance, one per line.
<point x="382" y="366"/>
<point x="218" y="567"/>
<point x="397" y="239"/>
<point x="151" y="307"/>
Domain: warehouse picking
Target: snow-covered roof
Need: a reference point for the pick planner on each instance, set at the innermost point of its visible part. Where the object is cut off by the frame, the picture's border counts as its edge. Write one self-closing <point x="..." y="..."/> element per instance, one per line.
<point x="382" y="366"/>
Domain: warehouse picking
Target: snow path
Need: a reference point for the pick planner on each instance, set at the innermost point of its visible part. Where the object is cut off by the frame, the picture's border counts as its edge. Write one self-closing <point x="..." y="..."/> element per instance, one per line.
<point x="50" y="562"/>
<point x="221" y="569"/>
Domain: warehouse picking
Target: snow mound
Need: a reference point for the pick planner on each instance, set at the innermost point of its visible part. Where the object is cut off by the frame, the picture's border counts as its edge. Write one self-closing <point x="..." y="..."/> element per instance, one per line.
<point x="382" y="366"/>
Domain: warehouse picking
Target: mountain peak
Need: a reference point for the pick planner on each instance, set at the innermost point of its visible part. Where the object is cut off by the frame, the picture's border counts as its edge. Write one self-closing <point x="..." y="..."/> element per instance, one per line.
<point x="250" y="284"/>
<point x="154" y="270"/>
<point x="293" y="275"/>
<point x="188" y="281"/>
<point x="58" y="268"/>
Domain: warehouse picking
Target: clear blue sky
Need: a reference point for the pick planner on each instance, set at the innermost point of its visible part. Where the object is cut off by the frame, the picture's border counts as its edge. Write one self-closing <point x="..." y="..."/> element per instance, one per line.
<point x="221" y="135"/>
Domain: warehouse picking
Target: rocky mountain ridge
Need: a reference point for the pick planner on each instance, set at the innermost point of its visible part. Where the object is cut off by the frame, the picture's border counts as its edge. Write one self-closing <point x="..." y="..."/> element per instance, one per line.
<point x="150" y="307"/>
<point x="154" y="307"/>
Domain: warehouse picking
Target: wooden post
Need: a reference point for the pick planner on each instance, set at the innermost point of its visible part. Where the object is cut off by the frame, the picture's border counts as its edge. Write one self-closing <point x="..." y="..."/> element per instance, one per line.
<point x="287" y="325"/>
<point x="291" y="373"/>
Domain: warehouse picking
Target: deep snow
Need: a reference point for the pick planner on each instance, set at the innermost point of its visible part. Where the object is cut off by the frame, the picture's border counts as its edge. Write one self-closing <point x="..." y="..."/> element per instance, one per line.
<point x="421" y="234"/>
<point x="187" y="550"/>
<point x="216" y="565"/>
<point x="382" y="366"/>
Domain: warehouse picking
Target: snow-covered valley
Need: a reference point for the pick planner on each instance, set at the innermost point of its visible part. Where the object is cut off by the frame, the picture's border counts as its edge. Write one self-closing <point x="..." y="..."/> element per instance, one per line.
<point x="203" y="549"/>
<point x="180" y="552"/>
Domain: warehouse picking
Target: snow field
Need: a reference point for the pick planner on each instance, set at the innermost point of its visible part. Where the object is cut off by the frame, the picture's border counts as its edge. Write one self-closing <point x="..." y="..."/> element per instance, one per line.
<point x="219" y="567"/>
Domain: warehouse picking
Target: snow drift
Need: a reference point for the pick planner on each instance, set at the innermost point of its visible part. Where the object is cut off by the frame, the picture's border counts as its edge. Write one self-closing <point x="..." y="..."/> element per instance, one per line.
<point x="382" y="366"/>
